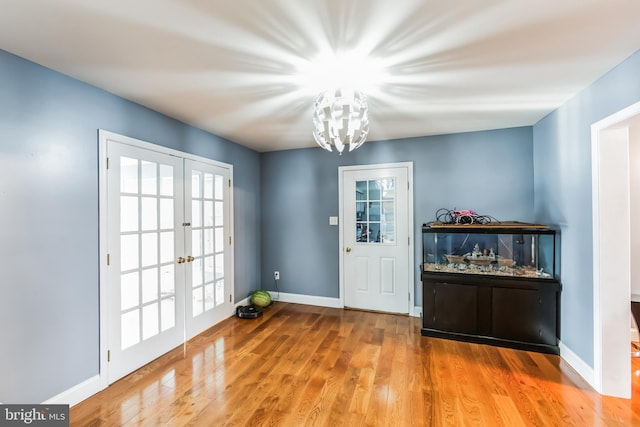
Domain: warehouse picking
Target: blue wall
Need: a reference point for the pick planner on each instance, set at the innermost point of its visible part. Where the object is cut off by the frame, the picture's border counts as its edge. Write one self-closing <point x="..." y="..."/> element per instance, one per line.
<point x="49" y="220"/>
<point x="490" y="172"/>
<point x="562" y="161"/>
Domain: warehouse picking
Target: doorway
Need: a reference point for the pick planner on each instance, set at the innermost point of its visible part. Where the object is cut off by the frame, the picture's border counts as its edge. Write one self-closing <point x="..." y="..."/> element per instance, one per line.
<point x="612" y="249"/>
<point x="376" y="246"/>
<point x="166" y="264"/>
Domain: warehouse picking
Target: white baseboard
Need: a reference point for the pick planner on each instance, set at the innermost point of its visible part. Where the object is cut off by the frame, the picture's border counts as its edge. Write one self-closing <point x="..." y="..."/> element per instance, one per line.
<point x="307" y="299"/>
<point x="78" y="392"/>
<point x="417" y="312"/>
<point x="579" y="365"/>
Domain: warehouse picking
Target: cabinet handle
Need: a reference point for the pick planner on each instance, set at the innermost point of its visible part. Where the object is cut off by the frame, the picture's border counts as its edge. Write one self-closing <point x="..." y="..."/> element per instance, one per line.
<point x="348" y="249"/>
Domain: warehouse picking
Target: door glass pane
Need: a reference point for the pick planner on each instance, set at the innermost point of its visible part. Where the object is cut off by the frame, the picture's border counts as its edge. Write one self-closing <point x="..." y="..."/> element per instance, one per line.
<point x="129" y="329"/>
<point x="208" y="214"/>
<point x="128" y="175"/>
<point x="219" y="266"/>
<point x="166" y="180"/>
<point x="208" y="186"/>
<point x="196" y="243"/>
<point x="219" y="213"/>
<point x="149" y="213"/>
<point x="196" y="213"/>
<point x="166" y="213"/>
<point x="208" y="269"/>
<point x="208" y="241"/>
<point x="129" y="290"/>
<point x="149" y="178"/>
<point x="128" y="213"/>
<point x="167" y="280"/>
<point x="149" y="285"/>
<point x="219" y="292"/>
<point x="149" y="249"/>
<point x="219" y="239"/>
<point x="150" y="326"/>
<point x="197" y="301"/>
<point x="196" y="272"/>
<point x="375" y="211"/>
<point x="168" y="316"/>
<point x="208" y="297"/>
<point x="128" y="252"/>
<point x="166" y="246"/>
<point x="218" y="187"/>
<point x="195" y="184"/>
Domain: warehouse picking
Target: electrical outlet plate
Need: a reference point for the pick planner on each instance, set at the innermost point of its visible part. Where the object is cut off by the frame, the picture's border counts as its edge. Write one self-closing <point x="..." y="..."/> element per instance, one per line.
<point x="276" y="275"/>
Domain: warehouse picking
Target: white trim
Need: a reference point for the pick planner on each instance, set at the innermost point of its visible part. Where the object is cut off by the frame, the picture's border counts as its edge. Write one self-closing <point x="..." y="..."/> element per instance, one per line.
<point x="610" y="345"/>
<point x="417" y="312"/>
<point x="410" y="224"/>
<point x="307" y="299"/>
<point x="580" y="366"/>
<point x="77" y="393"/>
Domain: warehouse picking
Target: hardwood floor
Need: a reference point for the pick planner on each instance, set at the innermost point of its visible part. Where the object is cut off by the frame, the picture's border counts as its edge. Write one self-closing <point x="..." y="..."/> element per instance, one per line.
<point x="301" y="365"/>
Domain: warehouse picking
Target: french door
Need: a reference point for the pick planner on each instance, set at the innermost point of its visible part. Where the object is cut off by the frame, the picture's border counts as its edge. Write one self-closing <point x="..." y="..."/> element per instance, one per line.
<point x="168" y="272"/>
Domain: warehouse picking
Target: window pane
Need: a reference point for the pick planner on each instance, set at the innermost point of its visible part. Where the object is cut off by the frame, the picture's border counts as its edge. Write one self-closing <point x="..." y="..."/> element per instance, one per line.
<point x="208" y="214"/>
<point x="208" y="297"/>
<point x="149" y="285"/>
<point x="128" y="175"/>
<point x="166" y="213"/>
<point x="167" y="313"/>
<point x="219" y="213"/>
<point x="208" y="186"/>
<point x="149" y="249"/>
<point x="219" y="185"/>
<point x="128" y="213"/>
<point x="129" y="290"/>
<point x="196" y="243"/>
<point x="197" y="301"/>
<point x="166" y="180"/>
<point x="128" y="252"/>
<point x="166" y="246"/>
<point x="196" y="213"/>
<point x="208" y="269"/>
<point x="167" y="280"/>
<point x="196" y="272"/>
<point x="130" y="329"/>
<point x="195" y="184"/>
<point x="149" y="213"/>
<point x="219" y="266"/>
<point x="149" y="178"/>
<point x="150" y="322"/>
<point x="208" y="241"/>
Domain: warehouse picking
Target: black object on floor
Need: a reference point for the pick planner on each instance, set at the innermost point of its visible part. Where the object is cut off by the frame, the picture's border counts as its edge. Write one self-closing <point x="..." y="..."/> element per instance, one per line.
<point x="248" y="311"/>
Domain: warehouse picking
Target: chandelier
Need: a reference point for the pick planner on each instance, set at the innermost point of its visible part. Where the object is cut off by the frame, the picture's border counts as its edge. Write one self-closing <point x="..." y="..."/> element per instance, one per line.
<point x="340" y="118"/>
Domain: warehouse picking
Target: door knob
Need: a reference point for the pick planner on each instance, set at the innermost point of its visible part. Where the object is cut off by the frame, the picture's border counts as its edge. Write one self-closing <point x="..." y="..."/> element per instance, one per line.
<point x="180" y="260"/>
<point x="348" y="249"/>
<point x="190" y="258"/>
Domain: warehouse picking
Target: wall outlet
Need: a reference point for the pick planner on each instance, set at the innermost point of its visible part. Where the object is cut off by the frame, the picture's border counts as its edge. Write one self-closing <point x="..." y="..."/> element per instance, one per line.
<point x="276" y="275"/>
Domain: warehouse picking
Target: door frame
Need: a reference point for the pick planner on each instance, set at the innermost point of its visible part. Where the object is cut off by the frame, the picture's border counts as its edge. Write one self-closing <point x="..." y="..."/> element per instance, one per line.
<point x="611" y="252"/>
<point x="409" y="219"/>
<point x="103" y="137"/>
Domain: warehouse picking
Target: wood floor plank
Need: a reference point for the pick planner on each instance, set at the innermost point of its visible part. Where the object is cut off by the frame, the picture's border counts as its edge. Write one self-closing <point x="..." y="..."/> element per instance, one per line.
<point x="302" y="365"/>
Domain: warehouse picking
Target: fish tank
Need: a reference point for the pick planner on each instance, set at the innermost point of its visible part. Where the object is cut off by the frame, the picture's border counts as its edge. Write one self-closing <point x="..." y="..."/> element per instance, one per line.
<point x="502" y="249"/>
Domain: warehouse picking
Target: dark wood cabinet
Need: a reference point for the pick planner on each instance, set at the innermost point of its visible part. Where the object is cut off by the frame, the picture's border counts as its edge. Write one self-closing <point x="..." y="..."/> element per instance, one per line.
<point x="504" y="298"/>
<point x="513" y="313"/>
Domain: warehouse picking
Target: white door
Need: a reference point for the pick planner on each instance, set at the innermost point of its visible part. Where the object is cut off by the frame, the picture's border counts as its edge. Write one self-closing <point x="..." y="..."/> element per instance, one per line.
<point x="169" y="273"/>
<point x="376" y="249"/>
<point x="207" y="241"/>
<point x="145" y="241"/>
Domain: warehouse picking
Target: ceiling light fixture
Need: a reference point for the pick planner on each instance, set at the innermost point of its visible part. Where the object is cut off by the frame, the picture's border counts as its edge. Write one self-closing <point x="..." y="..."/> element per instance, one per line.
<point x="340" y="118"/>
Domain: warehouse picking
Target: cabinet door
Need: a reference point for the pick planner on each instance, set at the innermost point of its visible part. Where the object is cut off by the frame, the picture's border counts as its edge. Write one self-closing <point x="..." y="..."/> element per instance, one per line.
<point x="516" y="314"/>
<point x="455" y="308"/>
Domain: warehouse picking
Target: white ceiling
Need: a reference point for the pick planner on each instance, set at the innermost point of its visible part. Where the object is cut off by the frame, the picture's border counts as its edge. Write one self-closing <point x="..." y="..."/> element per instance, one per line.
<point x="248" y="70"/>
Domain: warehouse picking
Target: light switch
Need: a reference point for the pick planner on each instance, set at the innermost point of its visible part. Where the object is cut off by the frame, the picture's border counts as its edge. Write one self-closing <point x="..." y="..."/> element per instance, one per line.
<point x="333" y="220"/>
